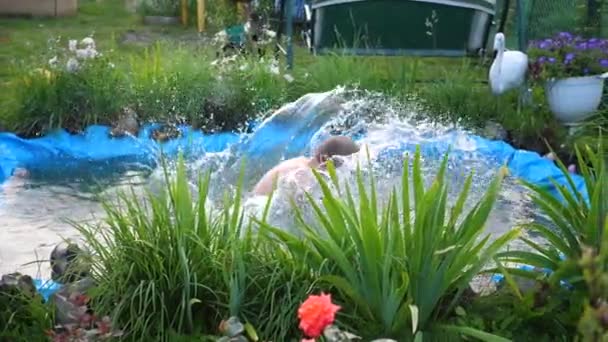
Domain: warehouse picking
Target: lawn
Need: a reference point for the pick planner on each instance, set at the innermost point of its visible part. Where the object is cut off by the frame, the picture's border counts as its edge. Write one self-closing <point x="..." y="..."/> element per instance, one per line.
<point x="454" y="89"/>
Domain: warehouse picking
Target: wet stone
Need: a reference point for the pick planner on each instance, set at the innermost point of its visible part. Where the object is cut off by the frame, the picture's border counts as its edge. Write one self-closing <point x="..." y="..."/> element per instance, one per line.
<point x="127" y="124"/>
<point x="69" y="262"/>
<point x="16" y="283"/>
<point x="494" y="131"/>
<point x="166" y="132"/>
<point x="71" y="302"/>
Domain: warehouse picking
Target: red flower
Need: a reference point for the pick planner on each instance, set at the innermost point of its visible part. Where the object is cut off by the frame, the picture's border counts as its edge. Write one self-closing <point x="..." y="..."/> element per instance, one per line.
<point x="104" y="326"/>
<point x="79" y="299"/>
<point x="316" y="313"/>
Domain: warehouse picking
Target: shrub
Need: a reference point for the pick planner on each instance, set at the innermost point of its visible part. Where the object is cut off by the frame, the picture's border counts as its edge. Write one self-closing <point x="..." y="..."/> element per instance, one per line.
<point x="566" y="55"/>
<point x="570" y="264"/>
<point x="23" y="315"/>
<point x="400" y="266"/>
<point x="578" y="224"/>
<point x="170" y="263"/>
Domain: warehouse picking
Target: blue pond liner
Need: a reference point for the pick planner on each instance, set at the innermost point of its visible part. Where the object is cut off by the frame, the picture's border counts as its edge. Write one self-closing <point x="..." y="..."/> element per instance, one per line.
<point x="46" y="288"/>
<point x="63" y="151"/>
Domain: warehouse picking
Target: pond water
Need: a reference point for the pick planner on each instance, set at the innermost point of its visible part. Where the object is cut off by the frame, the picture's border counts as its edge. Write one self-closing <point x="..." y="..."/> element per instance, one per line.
<point x="35" y="213"/>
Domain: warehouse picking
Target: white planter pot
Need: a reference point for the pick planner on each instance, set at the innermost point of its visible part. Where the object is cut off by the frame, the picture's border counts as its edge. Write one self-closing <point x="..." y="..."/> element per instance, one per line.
<point x="574" y="99"/>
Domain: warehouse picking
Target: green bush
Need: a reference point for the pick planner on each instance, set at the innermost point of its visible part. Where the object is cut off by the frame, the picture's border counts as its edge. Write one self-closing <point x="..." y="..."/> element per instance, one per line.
<point x="46" y="99"/>
<point x="578" y="224"/>
<point x="573" y="250"/>
<point x="23" y="315"/>
<point x="400" y="266"/>
<point x="170" y="263"/>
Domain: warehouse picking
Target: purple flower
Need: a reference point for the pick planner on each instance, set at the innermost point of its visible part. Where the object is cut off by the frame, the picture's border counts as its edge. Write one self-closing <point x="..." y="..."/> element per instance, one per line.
<point x="542" y="59"/>
<point x="569" y="57"/>
<point x="565" y="35"/>
<point x="551" y="60"/>
<point x="604" y="63"/>
<point x="546" y="44"/>
<point x="586" y="71"/>
<point x="582" y="46"/>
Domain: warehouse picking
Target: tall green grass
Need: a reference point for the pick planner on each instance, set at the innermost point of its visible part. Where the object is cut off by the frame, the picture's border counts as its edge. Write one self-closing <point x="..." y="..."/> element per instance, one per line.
<point x="175" y="83"/>
<point x="579" y="224"/>
<point x="168" y="263"/>
<point x="23" y="315"/>
<point x="399" y="266"/>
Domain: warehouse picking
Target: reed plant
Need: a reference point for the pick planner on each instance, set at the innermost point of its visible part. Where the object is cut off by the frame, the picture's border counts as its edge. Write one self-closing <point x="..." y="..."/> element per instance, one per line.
<point x="169" y="82"/>
<point x="171" y="264"/>
<point x="578" y="218"/>
<point x="23" y="315"/>
<point x="399" y="266"/>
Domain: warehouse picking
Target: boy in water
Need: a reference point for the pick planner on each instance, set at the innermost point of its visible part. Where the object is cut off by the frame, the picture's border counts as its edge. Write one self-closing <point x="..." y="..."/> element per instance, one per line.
<point x="334" y="146"/>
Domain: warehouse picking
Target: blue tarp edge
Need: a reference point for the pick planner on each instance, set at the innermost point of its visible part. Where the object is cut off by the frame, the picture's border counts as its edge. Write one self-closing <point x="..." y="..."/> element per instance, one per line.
<point x="62" y="148"/>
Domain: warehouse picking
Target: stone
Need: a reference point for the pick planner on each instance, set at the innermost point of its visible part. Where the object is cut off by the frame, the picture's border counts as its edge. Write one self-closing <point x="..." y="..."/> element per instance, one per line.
<point x="334" y="334"/>
<point x="127" y="124"/>
<point x="232" y="327"/>
<point x="71" y="302"/>
<point x="69" y="262"/>
<point x="166" y="132"/>
<point x="17" y="283"/>
<point x="494" y="131"/>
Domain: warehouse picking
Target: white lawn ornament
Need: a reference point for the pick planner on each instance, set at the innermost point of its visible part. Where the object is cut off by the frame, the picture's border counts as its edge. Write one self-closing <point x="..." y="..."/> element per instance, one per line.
<point x="508" y="71"/>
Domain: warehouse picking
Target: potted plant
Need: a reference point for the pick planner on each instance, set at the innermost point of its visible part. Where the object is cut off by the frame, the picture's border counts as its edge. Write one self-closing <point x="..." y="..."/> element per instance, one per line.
<point x="572" y="70"/>
<point x="160" y="12"/>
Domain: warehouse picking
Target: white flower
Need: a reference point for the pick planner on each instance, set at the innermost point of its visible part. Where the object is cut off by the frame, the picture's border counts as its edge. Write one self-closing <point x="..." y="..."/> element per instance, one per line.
<point x="270" y="33"/>
<point x="72" y="44"/>
<point x="221" y="37"/>
<point x="243" y="67"/>
<point x="53" y="61"/>
<point x="274" y="67"/>
<point x="111" y="65"/>
<point x="289" y="78"/>
<point x="72" y="65"/>
<point x="88" y="42"/>
<point x="87" y="53"/>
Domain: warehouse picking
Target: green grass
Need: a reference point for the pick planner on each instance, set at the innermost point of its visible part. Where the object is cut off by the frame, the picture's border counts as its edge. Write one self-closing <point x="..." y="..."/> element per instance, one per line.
<point x="168" y="264"/>
<point x="171" y="80"/>
<point x="23" y="315"/>
<point x="404" y="263"/>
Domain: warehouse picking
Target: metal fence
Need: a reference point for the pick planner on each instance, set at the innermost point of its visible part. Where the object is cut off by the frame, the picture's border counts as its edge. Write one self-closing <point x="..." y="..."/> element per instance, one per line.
<point x="543" y="18"/>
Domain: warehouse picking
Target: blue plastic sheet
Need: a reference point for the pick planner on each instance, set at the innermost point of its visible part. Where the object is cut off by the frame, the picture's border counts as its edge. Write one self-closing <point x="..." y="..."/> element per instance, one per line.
<point x="46" y="288"/>
<point x="278" y="138"/>
<point x="281" y="137"/>
<point x="63" y="151"/>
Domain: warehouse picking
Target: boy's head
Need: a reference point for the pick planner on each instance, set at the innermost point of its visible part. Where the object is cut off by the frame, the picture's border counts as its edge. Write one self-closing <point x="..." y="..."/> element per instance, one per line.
<point x="335" y="146"/>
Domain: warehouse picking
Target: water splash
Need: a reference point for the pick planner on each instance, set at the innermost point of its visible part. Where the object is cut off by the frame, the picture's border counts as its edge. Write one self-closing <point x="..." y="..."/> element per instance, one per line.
<point x="385" y="128"/>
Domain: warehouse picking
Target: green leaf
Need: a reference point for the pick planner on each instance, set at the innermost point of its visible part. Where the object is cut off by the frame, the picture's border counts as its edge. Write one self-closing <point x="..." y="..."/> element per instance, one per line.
<point x="414" y="312"/>
<point x="467" y="331"/>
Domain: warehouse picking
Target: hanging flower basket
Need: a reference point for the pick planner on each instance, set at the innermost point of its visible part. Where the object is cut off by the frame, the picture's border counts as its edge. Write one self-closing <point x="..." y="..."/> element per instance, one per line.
<point x="572" y="71"/>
